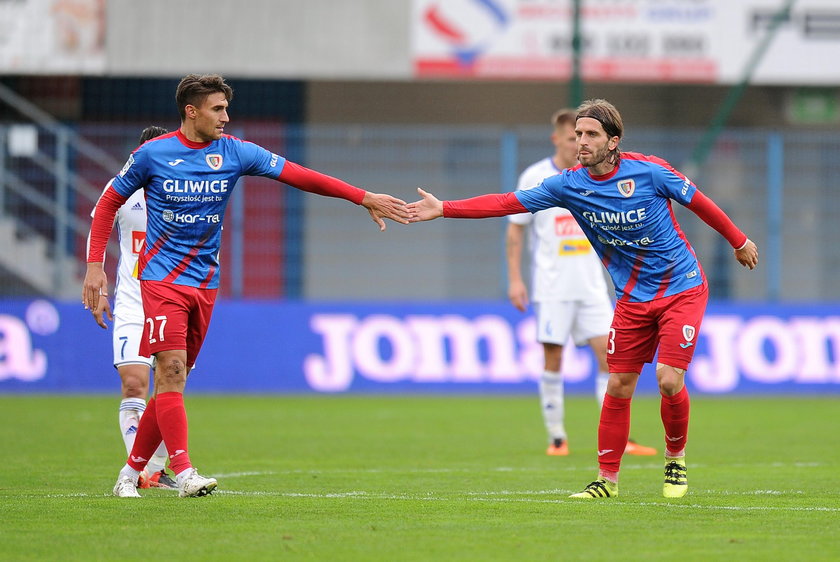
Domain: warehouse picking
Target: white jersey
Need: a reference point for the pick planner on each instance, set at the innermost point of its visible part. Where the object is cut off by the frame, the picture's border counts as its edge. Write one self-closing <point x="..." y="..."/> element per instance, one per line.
<point x="564" y="266"/>
<point x="131" y="228"/>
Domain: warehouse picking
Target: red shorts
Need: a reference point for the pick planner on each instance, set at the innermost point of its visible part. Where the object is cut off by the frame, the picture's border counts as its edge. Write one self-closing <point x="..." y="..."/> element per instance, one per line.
<point x="177" y="317"/>
<point x="670" y="323"/>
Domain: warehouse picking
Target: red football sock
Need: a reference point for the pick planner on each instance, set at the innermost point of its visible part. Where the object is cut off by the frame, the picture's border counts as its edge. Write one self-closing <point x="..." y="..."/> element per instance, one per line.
<point x="674" y="410"/>
<point x="613" y="432"/>
<point x="147" y="439"/>
<point x="172" y="419"/>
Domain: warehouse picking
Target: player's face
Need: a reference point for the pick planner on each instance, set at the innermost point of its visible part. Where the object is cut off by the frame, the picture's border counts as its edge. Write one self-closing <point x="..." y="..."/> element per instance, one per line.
<point x="211" y="117"/>
<point x="565" y="142"/>
<point x="593" y="144"/>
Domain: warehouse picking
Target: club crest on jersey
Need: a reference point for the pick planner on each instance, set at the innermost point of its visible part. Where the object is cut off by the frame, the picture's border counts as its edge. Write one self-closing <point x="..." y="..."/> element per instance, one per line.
<point x="626" y="187"/>
<point x="214" y="161"/>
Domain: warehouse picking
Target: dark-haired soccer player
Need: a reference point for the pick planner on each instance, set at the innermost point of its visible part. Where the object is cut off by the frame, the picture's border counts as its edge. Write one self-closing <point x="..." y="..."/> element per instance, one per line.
<point x="622" y="201"/>
<point x="128" y="320"/>
<point x="188" y="178"/>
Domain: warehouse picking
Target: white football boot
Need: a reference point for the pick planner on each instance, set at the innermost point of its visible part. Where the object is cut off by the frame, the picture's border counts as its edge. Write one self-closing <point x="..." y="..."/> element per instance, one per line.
<point x="194" y="485"/>
<point x="126" y="487"/>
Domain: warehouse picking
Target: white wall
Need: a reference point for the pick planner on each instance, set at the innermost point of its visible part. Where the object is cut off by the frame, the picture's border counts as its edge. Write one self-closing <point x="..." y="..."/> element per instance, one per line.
<point x="260" y="38"/>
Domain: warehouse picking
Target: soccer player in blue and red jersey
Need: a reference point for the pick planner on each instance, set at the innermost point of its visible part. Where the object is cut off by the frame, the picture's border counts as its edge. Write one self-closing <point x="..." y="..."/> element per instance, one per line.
<point x="188" y="178"/>
<point x="622" y="201"/>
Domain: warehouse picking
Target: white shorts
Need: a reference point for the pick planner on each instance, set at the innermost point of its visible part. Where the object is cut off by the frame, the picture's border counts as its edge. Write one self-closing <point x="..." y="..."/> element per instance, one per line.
<point x="582" y="320"/>
<point x="127" y="334"/>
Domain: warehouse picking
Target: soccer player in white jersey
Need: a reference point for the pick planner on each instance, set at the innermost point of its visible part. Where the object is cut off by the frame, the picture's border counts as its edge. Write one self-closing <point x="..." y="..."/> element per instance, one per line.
<point x="569" y="292"/>
<point x="128" y="321"/>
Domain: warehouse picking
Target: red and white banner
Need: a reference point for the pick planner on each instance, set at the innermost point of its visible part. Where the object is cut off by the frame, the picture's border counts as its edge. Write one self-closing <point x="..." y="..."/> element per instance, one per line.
<point x="707" y="41"/>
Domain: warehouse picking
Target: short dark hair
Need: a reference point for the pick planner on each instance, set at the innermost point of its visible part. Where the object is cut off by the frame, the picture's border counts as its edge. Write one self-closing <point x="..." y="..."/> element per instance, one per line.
<point x="610" y="119"/>
<point x="151" y="132"/>
<point x="194" y="89"/>
<point x="565" y="116"/>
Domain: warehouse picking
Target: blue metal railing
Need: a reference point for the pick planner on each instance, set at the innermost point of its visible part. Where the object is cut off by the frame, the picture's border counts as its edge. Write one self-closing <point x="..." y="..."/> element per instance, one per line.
<point x="776" y="185"/>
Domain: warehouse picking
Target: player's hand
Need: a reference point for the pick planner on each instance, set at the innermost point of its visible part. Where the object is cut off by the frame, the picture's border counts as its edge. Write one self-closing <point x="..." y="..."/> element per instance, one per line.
<point x="382" y="206"/>
<point x="518" y="295"/>
<point x="96" y="284"/>
<point x="426" y="209"/>
<point x="748" y="255"/>
<point x="102" y="311"/>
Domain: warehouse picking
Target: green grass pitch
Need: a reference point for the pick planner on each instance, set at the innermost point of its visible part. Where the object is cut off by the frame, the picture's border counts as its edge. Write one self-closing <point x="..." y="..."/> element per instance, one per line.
<point x="421" y="478"/>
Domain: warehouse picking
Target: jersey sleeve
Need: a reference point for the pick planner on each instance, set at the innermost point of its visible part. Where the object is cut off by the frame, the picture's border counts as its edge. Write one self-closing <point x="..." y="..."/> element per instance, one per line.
<point x="715" y="217"/>
<point x="315" y="182"/>
<point x="483" y="206"/>
<point x="524" y="182"/>
<point x="134" y="175"/>
<point x="257" y="161"/>
<point x="103" y="222"/>
<point x="670" y="183"/>
<point x="546" y="195"/>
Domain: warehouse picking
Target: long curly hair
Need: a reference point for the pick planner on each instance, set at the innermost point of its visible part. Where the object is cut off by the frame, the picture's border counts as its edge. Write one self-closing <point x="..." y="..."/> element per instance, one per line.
<point x="610" y="119"/>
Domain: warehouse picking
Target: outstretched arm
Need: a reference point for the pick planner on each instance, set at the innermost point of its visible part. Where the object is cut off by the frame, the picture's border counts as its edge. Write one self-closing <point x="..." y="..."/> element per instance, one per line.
<point x="379" y="205"/>
<point x="746" y="251"/>
<point x="483" y="206"/>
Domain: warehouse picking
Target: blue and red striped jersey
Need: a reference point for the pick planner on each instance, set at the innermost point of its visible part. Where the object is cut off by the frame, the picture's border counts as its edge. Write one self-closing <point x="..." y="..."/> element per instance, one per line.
<point x="627" y="216"/>
<point x="187" y="187"/>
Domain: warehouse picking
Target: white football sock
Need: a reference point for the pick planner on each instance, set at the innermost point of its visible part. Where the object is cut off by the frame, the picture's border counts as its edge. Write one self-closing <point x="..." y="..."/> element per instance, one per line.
<point x="158" y="460"/>
<point x="601" y="380"/>
<point x="128" y="471"/>
<point x="131" y="410"/>
<point x="551" y="399"/>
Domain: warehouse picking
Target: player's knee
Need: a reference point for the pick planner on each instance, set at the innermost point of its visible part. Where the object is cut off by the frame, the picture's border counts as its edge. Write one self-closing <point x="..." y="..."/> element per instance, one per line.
<point x="669" y="387"/>
<point x="135" y="380"/>
<point x="670" y="379"/>
<point x="171" y="371"/>
<point x="134" y="387"/>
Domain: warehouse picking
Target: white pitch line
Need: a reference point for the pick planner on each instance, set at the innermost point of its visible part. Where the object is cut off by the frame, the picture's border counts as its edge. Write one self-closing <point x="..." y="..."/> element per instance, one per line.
<point x="361" y="495"/>
<point x="503" y="496"/>
<point x="397" y="470"/>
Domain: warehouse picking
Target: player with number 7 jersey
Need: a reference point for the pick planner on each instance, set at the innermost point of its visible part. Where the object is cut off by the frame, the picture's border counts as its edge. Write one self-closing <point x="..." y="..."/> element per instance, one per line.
<point x="189" y="176"/>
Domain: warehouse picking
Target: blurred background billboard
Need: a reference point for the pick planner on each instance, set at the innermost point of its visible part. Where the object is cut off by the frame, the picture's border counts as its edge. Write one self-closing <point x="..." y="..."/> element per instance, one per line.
<point x="452" y="96"/>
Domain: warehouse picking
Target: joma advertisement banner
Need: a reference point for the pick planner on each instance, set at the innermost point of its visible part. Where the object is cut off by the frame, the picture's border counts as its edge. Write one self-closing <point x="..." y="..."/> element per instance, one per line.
<point x="412" y="347"/>
<point x="708" y="41"/>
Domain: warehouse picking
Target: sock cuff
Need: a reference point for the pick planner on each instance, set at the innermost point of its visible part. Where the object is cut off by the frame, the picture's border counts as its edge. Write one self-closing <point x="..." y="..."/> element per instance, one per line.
<point x="678" y="397"/>
<point x="551" y="375"/>
<point x="133" y="404"/>
<point x="612" y="401"/>
<point x="165" y="397"/>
